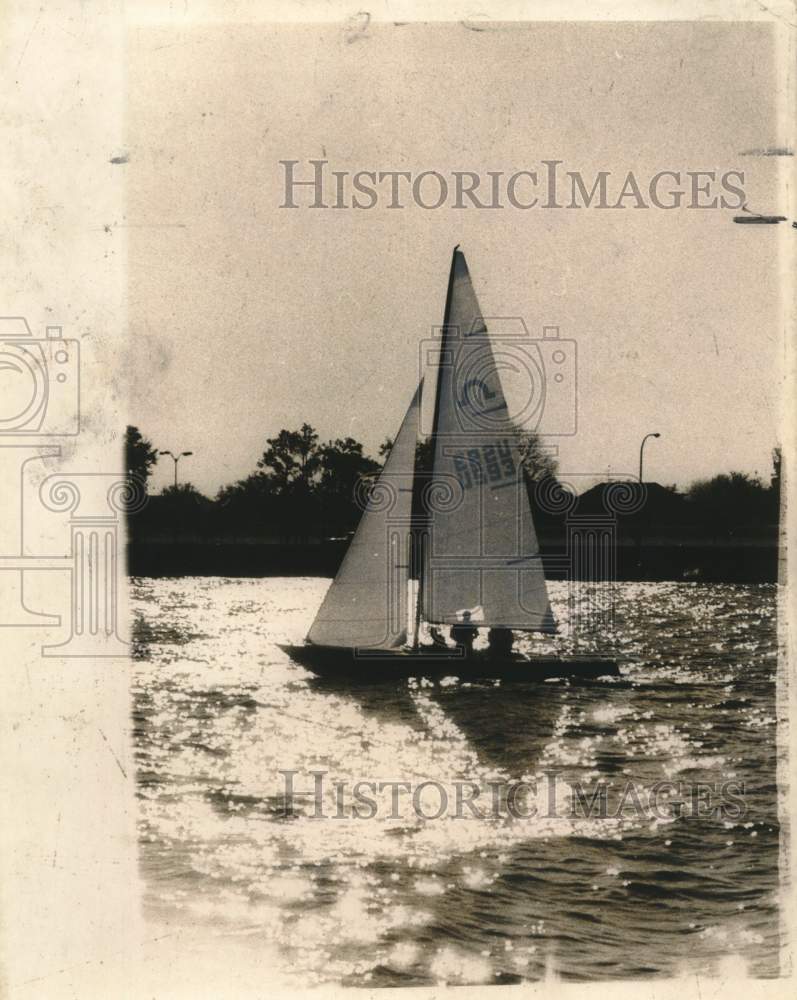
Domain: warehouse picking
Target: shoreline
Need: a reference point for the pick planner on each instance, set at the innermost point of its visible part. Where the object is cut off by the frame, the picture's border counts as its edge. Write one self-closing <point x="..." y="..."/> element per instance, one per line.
<point x="740" y="561"/>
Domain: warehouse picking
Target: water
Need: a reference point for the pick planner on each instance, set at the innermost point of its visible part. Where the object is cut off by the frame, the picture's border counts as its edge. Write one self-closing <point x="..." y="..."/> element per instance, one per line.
<point x="399" y="899"/>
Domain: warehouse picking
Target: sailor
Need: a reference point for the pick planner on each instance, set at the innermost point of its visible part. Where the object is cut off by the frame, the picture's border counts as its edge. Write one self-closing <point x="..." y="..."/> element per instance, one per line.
<point x="499" y="642"/>
<point x="464" y="634"/>
<point x="437" y="637"/>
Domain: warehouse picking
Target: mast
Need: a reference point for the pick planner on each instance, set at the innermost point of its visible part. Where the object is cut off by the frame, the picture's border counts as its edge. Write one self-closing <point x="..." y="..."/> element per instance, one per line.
<point x="421" y="536"/>
<point x="443" y="345"/>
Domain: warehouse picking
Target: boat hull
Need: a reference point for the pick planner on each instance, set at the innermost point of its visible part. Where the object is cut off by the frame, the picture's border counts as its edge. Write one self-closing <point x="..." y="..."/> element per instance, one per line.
<point x="377" y="666"/>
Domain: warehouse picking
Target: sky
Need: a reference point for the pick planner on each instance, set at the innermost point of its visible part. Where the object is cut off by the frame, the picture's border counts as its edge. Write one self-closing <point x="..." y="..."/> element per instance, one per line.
<point x="245" y="317"/>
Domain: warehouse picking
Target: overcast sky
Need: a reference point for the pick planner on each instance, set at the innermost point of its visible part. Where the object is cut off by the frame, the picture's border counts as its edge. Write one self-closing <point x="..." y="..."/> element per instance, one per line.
<point x="246" y="317"/>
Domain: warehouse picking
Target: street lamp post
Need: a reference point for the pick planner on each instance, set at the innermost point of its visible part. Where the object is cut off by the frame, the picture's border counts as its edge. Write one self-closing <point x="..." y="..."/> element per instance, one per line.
<point x="653" y="434"/>
<point x="176" y="459"/>
<point x="640" y="571"/>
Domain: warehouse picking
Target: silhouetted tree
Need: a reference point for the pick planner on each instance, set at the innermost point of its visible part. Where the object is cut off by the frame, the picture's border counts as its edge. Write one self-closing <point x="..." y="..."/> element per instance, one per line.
<point x="302" y="488"/>
<point x="774" y="479"/>
<point x="140" y="456"/>
<point x="424" y="452"/>
<point x="184" y="492"/>
<point x="255" y="487"/>
<point x="251" y="506"/>
<point x="181" y="511"/>
<point x="292" y="459"/>
<point x="343" y="465"/>
<point x="538" y="463"/>
<point x="731" y="501"/>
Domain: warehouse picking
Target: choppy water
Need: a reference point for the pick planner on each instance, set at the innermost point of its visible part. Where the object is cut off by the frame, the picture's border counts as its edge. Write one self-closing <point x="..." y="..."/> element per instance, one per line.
<point x="399" y="899"/>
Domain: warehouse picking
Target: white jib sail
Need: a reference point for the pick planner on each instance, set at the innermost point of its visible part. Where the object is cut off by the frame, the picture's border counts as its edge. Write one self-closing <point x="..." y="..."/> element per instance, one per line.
<point x="366" y="605"/>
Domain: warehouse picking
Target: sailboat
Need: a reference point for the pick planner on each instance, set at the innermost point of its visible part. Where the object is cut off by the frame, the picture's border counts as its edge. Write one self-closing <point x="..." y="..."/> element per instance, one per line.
<point x="446" y="546"/>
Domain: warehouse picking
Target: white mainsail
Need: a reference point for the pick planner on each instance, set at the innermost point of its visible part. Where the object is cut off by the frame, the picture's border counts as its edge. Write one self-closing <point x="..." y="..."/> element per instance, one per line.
<point x="483" y="555"/>
<point x="366" y="605"/>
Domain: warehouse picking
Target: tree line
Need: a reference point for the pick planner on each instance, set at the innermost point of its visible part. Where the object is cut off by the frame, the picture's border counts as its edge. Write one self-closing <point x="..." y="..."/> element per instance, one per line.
<point x="304" y="489"/>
